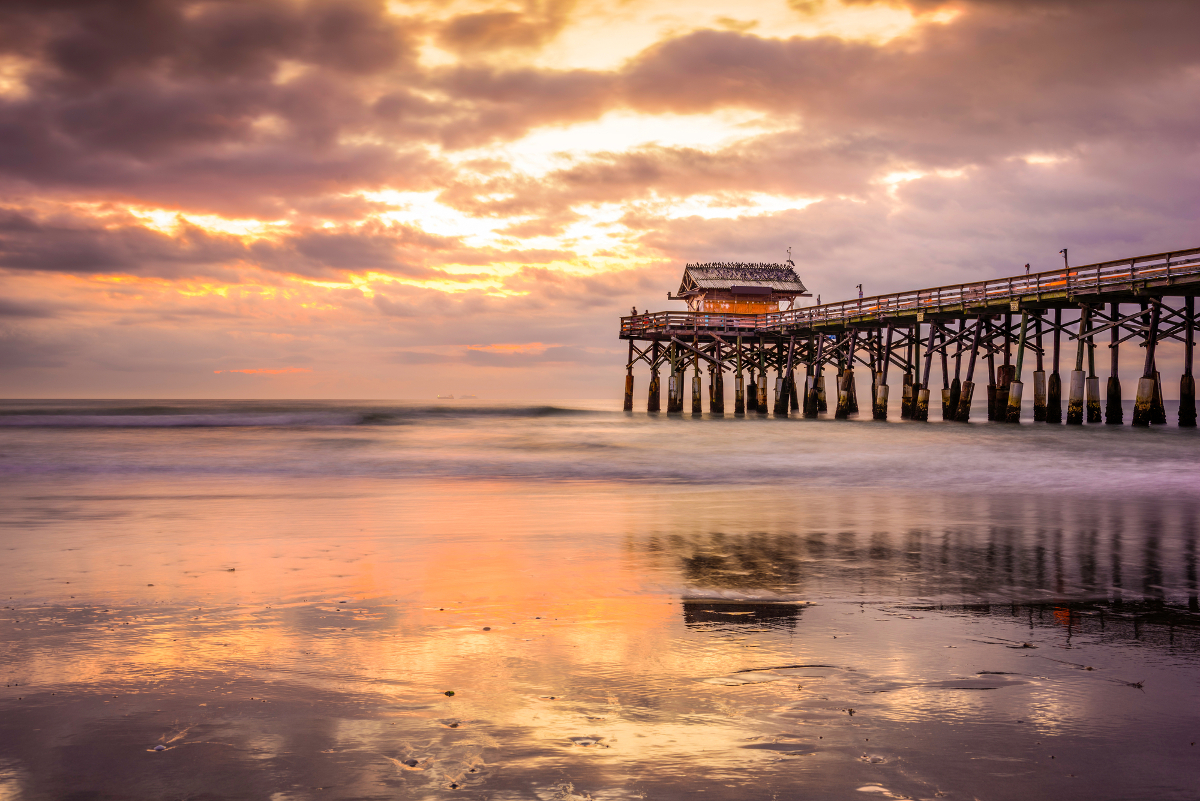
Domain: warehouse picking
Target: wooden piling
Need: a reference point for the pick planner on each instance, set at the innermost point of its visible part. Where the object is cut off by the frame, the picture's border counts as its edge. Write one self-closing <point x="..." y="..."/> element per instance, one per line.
<point x="842" y="410"/>
<point x="1092" y="385"/>
<point x="1187" y="384"/>
<point x="812" y="392"/>
<point x="1039" y="375"/>
<point x="851" y="390"/>
<point x="879" y="404"/>
<point x="1143" y="403"/>
<point x="1075" y="399"/>
<point x="716" y="400"/>
<point x="843" y="397"/>
<point x="752" y="388"/>
<point x="956" y="384"/>
<point x="1054" y="385"/>
<point x="762" y="378"/>
<point x="921" y="407"/>
<point x="1114" y="415"/>
<point x="628" y="405"/>
<point x="1158" y="414"/>
<point x="696" y="385"/>
<point x="674" y="395"/>
<point x="946" y="412"/>
<point x="968" y="386"/>
<point x="783" y="403"/>
<point x="1016" y="387"/>
<point x="991" y="368"/>
<point x="1004" y="376"/>
<point x="906" y="393"/>
<point x="739" y="387"/>
<point x="653" y="398"/>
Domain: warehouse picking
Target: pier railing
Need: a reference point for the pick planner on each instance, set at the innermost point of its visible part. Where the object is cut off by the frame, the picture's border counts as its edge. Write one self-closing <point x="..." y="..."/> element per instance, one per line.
<point x="1064" y="283"/>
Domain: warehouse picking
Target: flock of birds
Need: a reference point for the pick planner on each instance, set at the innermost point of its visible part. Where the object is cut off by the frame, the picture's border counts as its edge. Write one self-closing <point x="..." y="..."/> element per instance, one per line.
<point x="736" y="269"/>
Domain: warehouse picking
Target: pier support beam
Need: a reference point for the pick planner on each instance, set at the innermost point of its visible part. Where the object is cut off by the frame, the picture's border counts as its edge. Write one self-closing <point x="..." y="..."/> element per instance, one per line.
<point x="1017" y="387"/>
<point x="842" y="410"/>
<point x="628" y="405"/>
<point x="921" y="406"/>
<point x="1158" y="415"/>
<point x="819" y="382"/>
<point x="843" y="396"/>
<point x="812" y="394"/>
<point x="991" y="368"/>
<point x="753" y="390"/>
<point x="739" y="386"/>
<point x="675" y="382"/>
<point x="762" y="377"/>
<point x="716" y="383"/>
<point x="968" y="387"/>
<point x="1187" y="384"/>
<point x="1054" y="385"/>
<point x="1039" y="375"/>
<point x="1114" y="415"/>
<point x="848" y="376"/>
<point x="653" y="398"/>
<point x="1075" y="399"/>
<point x="1004" y="377"/>
<point x="947" y="414"/>
<point x="956" y="384"/>
<point x="879" y="403"/>
<point x="1143" y="404"/>
<point x="1092" y="385"/>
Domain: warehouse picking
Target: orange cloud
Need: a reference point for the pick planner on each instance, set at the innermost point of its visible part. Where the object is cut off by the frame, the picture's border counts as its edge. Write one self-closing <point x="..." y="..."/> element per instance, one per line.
<point x="511" y="347"/>
<point x="266" y="371"/>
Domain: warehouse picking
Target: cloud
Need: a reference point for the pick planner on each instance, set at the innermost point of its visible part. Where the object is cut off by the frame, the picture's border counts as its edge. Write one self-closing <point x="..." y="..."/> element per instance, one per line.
<point x="485" y="31"/>
<point x="268" y="370"/>
<point x="972" y="142"/>
<point x="68" y="241"/>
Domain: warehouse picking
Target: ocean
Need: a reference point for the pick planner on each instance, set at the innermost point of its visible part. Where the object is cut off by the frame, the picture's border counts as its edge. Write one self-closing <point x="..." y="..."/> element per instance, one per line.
<point x="560" y="600"/>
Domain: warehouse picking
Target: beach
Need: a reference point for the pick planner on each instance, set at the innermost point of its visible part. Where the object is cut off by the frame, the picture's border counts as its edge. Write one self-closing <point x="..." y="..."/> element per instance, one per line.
<point x="485" y="599"/>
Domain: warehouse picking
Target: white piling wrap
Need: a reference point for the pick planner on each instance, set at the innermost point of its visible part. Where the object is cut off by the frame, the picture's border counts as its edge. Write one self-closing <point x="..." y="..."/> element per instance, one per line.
<point x="1015" y="390"/>
<point x="1145" y="392"/>
<point x="1039" y="388"/>
<point x="1077" y="381"/>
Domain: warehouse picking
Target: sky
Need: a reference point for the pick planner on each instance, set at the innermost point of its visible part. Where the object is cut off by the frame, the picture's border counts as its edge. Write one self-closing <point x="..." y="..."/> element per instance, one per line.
<point x="386" y="200"/>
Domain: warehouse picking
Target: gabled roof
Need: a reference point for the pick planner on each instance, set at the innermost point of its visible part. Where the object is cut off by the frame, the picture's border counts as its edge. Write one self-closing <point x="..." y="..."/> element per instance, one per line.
<point x="781" y="278"/>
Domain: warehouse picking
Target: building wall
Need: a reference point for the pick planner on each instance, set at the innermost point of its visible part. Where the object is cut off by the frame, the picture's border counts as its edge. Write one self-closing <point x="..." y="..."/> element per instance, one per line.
<point x="739" y="306"/>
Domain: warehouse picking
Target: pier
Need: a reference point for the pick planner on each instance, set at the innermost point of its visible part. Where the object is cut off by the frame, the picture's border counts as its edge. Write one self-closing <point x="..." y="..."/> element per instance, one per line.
<point x="957" y="336"/>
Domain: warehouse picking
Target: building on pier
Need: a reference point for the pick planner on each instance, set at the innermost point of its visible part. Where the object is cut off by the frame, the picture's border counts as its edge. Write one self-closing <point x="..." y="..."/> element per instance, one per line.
<point x="737" y="288"/>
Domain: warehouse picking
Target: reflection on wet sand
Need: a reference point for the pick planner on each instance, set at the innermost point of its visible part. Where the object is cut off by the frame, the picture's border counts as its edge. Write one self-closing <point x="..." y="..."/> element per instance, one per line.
<point x="597" y="645"/>
<point x="980" y="561"/>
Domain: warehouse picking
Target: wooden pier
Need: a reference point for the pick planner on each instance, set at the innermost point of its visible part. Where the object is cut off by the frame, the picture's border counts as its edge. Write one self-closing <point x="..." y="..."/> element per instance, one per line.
<point x="1053" y="319"/>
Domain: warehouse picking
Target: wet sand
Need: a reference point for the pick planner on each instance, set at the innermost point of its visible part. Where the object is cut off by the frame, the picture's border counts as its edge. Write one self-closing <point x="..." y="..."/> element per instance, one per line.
<point x="285" y="629"/>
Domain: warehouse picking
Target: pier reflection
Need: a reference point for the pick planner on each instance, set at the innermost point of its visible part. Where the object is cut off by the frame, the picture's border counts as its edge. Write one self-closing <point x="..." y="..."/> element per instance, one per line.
<point x="1138" y="566"/>
<point x="709" y="614"/>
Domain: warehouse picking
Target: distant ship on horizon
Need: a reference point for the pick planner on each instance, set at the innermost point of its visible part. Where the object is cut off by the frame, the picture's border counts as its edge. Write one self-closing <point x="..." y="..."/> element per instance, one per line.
<point x="445" y="397"/>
